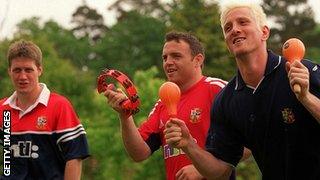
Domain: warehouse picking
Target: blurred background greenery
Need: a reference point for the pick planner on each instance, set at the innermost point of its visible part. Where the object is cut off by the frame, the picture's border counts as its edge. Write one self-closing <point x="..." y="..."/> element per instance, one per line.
<point x="74" y="57"/>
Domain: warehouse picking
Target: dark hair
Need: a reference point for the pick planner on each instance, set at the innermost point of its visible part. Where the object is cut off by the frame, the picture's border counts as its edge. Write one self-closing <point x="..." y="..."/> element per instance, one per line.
<point x="194" y="43"/>
<point x="25" y="49"/>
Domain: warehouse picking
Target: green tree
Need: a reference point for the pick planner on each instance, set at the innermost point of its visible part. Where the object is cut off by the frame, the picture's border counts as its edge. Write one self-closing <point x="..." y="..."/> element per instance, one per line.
<point x="88" y="23"/>
<point x="290" y="18"/>
<point x="132" y="44"/>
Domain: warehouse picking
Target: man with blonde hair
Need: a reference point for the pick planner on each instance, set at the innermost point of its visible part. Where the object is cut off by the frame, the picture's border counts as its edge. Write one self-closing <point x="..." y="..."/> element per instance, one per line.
<point x="258" y="109"/>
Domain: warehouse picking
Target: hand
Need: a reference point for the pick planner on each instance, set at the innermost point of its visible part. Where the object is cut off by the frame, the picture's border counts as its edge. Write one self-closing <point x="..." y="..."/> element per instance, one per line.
<point x="188" y="172"/>
<point x="115" y="97"/>
<point x="298" y="74"/>
<point x="176" y="133"/>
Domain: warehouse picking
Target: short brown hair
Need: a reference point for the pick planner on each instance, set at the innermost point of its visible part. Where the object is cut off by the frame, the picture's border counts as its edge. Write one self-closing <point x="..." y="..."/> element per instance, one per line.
<point x="194" y="43"/>
<point x="24" y="49"/>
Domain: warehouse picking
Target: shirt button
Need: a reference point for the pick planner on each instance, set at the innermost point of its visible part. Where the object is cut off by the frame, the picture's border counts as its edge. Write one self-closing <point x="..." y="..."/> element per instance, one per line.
<point x="252" y="117"/>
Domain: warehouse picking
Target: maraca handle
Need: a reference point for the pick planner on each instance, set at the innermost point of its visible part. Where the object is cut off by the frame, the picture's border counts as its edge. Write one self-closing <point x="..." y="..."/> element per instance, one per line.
<point x="296" y="88"/>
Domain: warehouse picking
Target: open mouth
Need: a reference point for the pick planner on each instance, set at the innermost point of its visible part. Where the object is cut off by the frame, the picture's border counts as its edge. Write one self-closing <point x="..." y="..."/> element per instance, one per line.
<point x="171" y="71"/>
<point x="238" y="40"/>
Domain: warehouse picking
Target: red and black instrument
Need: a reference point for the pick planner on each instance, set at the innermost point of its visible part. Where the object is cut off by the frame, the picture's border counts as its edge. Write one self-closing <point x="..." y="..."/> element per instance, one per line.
<point x="132" y="103"/>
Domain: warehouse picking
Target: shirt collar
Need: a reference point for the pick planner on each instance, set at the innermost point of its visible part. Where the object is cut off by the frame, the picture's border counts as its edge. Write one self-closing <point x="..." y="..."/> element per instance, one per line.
<point x="43" y="99"/>
<point x="273" y="62"/>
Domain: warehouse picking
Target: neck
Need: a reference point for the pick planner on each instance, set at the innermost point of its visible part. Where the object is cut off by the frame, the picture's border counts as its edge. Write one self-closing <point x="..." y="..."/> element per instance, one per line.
<point x="190" y="82"/>
<point x="25" y="100"/>
<point x="252" y="66"/>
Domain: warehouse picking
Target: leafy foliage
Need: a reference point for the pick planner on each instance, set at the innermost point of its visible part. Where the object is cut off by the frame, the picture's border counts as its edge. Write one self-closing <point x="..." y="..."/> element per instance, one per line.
<point x="88" y="23"/>
<point x="291" y="18"/>
<point x="133" y="43"/>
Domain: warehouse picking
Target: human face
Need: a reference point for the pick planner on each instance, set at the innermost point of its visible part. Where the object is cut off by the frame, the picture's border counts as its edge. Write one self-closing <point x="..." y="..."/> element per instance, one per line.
<point x="242" y="32"/>
<point x="25" y="75"/>
<point x="178" y="62"/>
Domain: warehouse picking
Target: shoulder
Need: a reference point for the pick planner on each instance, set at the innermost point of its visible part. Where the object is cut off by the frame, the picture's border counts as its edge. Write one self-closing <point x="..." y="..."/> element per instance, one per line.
<point x="214" y="84"/>
<point x="310" y="65"/>
<point x="3" y="100"/>
<point x="56" y="98"/>
<point x="227" y="91"/>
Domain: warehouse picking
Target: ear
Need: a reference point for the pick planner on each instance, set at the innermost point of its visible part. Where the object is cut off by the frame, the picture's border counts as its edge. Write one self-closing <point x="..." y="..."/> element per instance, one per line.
<point x="265" y="33"/>
<point x="199" y="58"/>
<point x="40" y="69"/>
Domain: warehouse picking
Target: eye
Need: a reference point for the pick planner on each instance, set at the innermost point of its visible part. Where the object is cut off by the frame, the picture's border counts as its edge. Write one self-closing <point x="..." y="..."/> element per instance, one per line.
<point x="29" y="70"/>
<point x="16" y="70"/>
<point x="164" y="58"/>
<point x="176" y="56"/>
<point x="227" y="28"/>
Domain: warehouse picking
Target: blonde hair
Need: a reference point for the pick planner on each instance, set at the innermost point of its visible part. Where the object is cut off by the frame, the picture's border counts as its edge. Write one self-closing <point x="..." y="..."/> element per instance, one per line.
<point x="256" y="10"/>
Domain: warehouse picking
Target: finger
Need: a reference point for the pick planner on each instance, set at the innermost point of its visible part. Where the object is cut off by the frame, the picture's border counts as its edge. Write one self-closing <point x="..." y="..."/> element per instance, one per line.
<point x="179" y="173"/>
<point x="173" y="141"/>
<point x="301" y="81"/>
<point x="173" y="128"/>
<point x="299" y="76"/>
<point x="181" y="176"/>
<point x="168" y="124"/>
<point x="173" y="135"/>
<point x="288" y="65"/>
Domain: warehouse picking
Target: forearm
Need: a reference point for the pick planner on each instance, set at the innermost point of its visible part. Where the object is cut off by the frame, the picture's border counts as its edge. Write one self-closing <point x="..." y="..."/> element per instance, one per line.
<point x="135" y="146"/>
<point x="208" y="165"/>
<point x="312" y="104"/>
<point x="73" y="169"/>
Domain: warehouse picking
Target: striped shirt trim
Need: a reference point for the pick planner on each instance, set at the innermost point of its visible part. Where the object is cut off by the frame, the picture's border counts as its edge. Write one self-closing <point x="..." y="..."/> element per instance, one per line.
<point x="63" y="138"/>
<point x="48" y="132"/>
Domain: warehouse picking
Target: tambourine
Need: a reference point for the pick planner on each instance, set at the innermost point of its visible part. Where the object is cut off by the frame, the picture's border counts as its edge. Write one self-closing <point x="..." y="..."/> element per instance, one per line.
<point x="132" y="103"/>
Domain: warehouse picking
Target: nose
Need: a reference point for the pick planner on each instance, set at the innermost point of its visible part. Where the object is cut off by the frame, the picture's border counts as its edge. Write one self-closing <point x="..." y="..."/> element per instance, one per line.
<point x="23" y="75"/>
<point x="235" y="29"/>
<point x="168" y="61"/>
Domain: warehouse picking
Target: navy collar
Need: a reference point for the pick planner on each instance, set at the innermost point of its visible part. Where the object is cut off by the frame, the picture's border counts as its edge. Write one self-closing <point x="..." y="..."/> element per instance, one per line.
<point x="273" y="62"/>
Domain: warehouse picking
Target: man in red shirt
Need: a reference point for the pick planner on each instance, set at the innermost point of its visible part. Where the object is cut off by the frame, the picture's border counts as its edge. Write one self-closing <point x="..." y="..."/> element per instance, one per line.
<point x="183" y="58"/>
<point x="47" y="140"/>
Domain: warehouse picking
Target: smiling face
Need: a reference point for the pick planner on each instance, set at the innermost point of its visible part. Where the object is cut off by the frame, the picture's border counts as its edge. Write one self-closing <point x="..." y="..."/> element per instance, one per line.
<point x="242" y="33"/>
<point x="179" y="65"/>
<point x="25" y="75"/>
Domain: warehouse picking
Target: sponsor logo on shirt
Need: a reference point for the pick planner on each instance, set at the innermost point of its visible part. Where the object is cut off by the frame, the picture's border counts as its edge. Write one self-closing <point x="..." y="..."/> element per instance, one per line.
<point x="25" y="149"/>
<point x="195" y="115"/>
<point x="288" y="116"/>
<point x="41" y="122"/>
<point x="169" y="151"/>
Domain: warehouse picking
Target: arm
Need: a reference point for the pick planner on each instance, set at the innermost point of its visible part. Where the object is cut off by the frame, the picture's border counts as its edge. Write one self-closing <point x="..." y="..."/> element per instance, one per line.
<point x="72" y="170"/>
<point x="177" y="135"/>
<point x="299" y="74"/>
<point x="246" y="154"/>
<point x="188" y="172"/>
<point x="135" y="146"/>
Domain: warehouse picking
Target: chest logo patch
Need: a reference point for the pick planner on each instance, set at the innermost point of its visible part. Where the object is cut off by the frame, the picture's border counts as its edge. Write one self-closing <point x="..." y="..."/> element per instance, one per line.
<point x="288" y="116"/>
<point x="41" y="122"/>
<point x="195" y="115"/>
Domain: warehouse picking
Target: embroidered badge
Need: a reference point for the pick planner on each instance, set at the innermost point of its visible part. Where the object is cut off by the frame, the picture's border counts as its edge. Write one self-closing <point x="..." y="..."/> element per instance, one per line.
<point x="288" y="116"/>
<point x="41" y="122"/>
<point x="195" y="115"/>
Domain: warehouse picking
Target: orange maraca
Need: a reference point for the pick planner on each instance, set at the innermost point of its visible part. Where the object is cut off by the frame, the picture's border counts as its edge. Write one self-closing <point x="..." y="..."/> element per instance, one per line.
<point x="293" y="50"/>
<point x="169" y="94"/>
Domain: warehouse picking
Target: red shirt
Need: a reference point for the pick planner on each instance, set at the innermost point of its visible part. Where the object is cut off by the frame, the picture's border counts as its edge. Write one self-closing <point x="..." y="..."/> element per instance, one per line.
<point x="193" y="108"/>
<point x="43" y="137"/>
